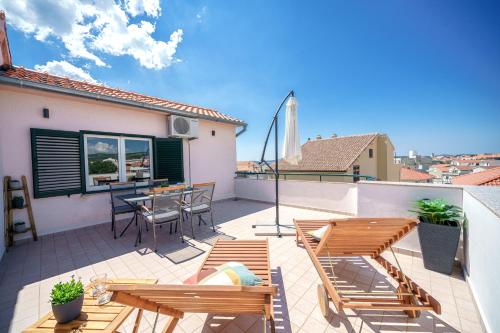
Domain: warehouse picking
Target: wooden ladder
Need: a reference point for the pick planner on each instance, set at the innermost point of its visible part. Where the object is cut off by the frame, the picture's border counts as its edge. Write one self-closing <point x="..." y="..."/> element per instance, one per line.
<point x="9" y="211"/>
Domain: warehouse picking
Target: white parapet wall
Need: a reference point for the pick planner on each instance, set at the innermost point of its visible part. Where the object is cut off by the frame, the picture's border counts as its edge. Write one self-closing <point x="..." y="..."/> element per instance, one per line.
<point x="390" y="199"/>
<point x="334" y="197"/>
<point x="482" y="255"/>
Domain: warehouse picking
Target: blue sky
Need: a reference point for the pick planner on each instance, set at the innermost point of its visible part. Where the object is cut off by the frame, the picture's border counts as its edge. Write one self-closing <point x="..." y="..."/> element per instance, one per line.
<point x="427" y="73"/>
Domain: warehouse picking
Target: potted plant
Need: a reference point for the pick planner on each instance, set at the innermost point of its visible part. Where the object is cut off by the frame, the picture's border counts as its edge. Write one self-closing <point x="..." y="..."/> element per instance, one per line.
<point x="17" y="202"/>
<point x="19" y="227"/>
<point x="14" y="184"/>
<point x="439" y="233"/>
<point x="67" y="300"/>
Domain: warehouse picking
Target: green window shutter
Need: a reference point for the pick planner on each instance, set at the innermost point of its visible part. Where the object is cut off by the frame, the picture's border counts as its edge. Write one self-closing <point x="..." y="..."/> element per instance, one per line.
<point x="56" y="163"/>
<point x="168" y="159"/>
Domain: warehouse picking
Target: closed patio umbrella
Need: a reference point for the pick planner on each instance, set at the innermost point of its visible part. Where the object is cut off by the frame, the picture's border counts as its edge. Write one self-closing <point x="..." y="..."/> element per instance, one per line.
<point x="291" y="146"/>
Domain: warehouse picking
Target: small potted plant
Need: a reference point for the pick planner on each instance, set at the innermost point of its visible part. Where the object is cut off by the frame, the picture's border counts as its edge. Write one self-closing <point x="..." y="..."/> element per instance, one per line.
<point x="67" y="300"/>
<point x="19" y="227"/>
<point x="14" y="184"/>
<point x="17" y="202"/>
<point x="439" y="233"/>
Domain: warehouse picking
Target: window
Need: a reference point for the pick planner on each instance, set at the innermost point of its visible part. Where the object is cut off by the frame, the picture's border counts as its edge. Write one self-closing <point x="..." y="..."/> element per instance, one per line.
<point x="66" y="163"/>
<point x="355" y="171"/>
<point x="370" y="153"/>
<point x="116" y="159"/>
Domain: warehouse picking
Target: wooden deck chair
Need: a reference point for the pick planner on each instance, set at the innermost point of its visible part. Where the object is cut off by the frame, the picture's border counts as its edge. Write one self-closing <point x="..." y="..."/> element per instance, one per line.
<point x="175" y="300"/>
<point x="363" y="237"/>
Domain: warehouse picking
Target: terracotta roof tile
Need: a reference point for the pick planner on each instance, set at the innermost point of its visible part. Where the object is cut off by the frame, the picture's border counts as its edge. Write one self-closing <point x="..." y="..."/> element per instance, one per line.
<point x="489" y="177"/>
<point x="63" y="82"/>
<point x="331" y="154"/>
<point x="413" y="175"/>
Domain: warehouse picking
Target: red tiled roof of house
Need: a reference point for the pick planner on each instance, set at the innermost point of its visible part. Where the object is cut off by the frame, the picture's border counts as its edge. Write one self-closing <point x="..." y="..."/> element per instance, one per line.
<point x="95" y="90"/>
<point x="413" y="175"/>
<point x="441" y="167"/>
<point x="489" y="177"/>
<point x="331" y="154"/>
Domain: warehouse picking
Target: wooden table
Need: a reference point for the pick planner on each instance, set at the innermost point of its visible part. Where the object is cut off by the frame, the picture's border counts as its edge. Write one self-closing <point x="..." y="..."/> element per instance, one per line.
<point x="94" y="318"/>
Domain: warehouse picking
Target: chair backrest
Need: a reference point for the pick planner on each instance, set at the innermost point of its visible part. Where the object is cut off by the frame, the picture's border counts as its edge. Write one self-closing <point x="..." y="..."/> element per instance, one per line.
<point x="117" y="189"/>
<point x="158" y="183"/>
<point x="167" y="199"/>
<point x="363" y="236"/>
<point x="202" y="194"/>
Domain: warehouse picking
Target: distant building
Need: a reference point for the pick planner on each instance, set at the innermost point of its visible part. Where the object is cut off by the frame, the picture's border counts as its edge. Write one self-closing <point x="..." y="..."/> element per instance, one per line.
<point x="367" y="154"/>
<point x="490" y="177"/>
<point x="248" y="166"/>
<point x="414" y="176"/>
<point x="414" y="161"/>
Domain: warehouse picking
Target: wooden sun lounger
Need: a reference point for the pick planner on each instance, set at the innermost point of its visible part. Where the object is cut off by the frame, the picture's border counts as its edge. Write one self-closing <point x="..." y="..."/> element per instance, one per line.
<point x="363" y="237"/>
<point x="175" y="300"/>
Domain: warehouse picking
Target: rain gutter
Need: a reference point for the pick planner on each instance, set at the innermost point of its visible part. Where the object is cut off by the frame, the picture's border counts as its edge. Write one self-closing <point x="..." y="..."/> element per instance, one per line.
<point x="99" y="97"/>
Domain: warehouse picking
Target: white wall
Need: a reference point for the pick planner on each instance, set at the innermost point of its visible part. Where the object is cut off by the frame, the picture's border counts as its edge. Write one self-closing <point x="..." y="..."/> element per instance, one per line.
<point x="375" y="199"/>
<point x="388" y="199"/>
<point x="483" y="259"/>
<point x="337" y="197"/>
<point x="2" y="206"/>
<point x="213" y="158"/>
<point x="21" y="109"/>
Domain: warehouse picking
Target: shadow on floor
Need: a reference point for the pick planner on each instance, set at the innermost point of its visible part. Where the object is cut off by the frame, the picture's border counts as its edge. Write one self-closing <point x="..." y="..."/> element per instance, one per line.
<point x="356" y="273"/>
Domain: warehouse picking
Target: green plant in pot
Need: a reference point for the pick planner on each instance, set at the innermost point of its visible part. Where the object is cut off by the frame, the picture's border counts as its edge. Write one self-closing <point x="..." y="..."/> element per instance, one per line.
<point x="439" y="233"/>
<point x="17" y="202"/>
<point x="67" y="300"/>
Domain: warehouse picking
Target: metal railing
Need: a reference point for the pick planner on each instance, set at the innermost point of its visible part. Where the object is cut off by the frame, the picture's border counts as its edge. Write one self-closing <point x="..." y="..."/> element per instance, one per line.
<point x="283" y="175"/>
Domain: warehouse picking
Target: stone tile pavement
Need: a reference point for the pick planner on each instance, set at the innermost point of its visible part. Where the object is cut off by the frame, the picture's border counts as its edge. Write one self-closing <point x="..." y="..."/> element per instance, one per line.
<point x="29" y="270"/>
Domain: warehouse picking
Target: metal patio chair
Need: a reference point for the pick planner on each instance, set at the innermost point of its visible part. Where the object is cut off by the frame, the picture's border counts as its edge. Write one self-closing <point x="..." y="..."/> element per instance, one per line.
<point x="118" y="206"/>
<point x="200" y="203"/>
<point x="167" y="208"/>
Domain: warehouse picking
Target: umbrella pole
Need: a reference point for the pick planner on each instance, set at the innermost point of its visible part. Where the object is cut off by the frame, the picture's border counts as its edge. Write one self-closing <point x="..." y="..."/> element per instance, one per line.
<point x="275" y="171"/>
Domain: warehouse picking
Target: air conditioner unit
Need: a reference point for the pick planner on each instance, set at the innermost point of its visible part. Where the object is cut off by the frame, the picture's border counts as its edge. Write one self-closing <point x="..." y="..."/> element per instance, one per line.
<point x="182" y="127"/>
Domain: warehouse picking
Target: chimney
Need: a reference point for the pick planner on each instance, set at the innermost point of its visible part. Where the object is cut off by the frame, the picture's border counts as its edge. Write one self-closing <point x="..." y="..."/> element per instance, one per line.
<point x="318" y="137"/>
<point x="334" y="135"/>
<point x="5" y="58"/>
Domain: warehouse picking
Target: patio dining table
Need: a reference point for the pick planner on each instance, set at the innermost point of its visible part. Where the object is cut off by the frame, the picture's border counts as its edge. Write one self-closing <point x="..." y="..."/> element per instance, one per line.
<point x="135" y="200"/>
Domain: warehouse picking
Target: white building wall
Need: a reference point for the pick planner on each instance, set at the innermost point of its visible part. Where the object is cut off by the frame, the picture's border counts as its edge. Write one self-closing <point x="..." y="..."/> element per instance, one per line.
<point x="213" y="158"/>
<point x="2" y="207"/>
<point x="388" y="199"/>
<point x="483" y="259"/>
<point x="335" y="197"/>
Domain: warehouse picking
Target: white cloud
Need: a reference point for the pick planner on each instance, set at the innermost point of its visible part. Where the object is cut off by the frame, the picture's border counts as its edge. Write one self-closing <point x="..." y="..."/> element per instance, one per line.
<point x="64" y="68"/>
<point x="201" y="14"/>
<point x="86" y="27"/>
<point x="102" y="147"/>
<point x="148" y="7"/>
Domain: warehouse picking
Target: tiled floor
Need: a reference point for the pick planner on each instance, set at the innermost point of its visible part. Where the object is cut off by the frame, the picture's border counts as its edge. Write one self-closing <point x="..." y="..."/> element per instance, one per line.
<point x="29" y="270"/>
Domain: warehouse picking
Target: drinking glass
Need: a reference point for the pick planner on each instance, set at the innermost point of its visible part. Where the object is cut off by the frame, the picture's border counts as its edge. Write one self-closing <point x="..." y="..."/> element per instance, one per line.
<point x="99" y="289"/>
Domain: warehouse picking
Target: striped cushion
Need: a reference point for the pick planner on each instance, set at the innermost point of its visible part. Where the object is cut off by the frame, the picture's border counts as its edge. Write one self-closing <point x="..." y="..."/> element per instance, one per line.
<point x="231" y="273"/>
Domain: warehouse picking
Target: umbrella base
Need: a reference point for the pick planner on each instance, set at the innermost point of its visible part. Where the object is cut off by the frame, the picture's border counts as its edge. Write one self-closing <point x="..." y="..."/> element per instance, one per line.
<point x="277" y="229"/>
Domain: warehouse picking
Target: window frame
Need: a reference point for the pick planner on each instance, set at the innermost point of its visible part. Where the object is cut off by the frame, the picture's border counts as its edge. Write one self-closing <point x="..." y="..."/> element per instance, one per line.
<point x="122" y="172"/>
<point x="370" y="152"/>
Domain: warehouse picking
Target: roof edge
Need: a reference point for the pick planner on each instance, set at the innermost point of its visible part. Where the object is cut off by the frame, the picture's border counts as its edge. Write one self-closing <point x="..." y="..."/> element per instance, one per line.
<point x="375" y="135"/>
<point x="99" y="97"/>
